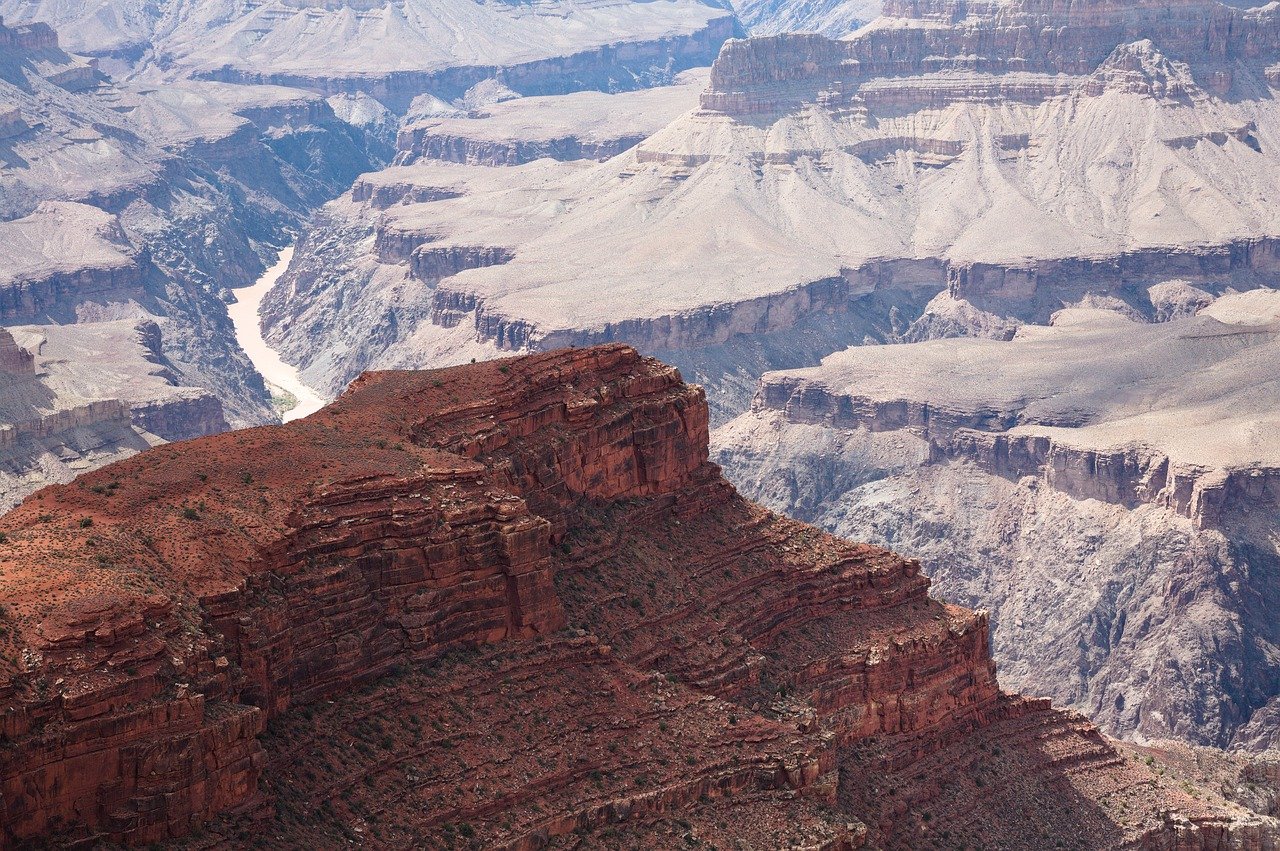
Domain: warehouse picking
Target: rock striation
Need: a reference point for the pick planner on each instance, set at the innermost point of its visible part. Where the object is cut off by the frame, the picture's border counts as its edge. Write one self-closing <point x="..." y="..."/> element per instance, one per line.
<point x="509" y="604"/>
<point x="1128" y="466"/>
<point x="582" y="126"/>
<point x="396" y="52"/>
<point x="832" y="18"/>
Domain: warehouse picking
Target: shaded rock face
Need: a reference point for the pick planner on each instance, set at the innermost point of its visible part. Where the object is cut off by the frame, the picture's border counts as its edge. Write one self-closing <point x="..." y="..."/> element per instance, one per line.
<point x="15" y="361"/>
<point x="510" y="563"/>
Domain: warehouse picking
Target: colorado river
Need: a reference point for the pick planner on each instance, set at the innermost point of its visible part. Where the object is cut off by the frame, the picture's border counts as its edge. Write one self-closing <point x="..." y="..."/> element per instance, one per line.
<point x="278" y="374"/>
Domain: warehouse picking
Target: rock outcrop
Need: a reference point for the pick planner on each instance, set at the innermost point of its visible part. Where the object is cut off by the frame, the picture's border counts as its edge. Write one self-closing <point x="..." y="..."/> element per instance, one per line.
<point x="76" y="397"/>
<point x="1128" y="466"/>
<point x="509" y="604"/>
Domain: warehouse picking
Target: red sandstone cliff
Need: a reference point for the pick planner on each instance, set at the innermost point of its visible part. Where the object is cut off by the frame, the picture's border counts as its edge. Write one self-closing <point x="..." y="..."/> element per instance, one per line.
<point x="509" y="605"/>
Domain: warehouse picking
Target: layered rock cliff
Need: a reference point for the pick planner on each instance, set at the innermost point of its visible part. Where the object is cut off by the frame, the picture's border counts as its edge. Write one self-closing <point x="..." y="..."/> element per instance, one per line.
<point x="1120" y="472"/>
<point x="588" y="125"/>
<point x="395" y="52"/>
<point x="509" y="604"/>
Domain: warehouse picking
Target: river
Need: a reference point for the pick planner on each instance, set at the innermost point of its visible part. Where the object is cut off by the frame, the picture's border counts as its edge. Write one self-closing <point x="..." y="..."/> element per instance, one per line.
<point x="279" y="375"/>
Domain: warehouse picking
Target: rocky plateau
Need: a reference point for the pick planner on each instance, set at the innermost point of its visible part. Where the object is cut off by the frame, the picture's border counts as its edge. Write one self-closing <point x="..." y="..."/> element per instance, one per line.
<point x="513" y="605"/>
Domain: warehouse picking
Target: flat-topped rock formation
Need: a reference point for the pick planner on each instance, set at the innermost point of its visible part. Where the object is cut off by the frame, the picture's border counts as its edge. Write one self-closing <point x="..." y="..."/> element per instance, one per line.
<point x="1114" y="470"/>
<point x="76" y="397"/>
<point x="61" y="256"/>
<point x="953" y="154"/>
<point x="511" y="604"/>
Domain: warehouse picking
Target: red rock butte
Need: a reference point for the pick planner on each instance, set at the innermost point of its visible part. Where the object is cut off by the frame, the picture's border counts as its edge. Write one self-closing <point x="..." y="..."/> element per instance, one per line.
<point x="512" y="605"/>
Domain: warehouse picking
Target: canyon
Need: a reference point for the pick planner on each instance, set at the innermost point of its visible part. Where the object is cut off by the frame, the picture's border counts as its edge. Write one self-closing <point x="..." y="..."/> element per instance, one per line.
<point x="991" y="285"/>
<point x="141" y="180"/>
<point x="128" y="213"/>
<point x="968" y="176"/>
<point x="460" y="607"/>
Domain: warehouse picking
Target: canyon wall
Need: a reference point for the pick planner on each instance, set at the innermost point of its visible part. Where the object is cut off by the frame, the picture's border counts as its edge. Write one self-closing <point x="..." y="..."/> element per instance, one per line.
<point x="1124" y="465"/>
<point x="622" y="66"/>
<point x="952" y="151"/>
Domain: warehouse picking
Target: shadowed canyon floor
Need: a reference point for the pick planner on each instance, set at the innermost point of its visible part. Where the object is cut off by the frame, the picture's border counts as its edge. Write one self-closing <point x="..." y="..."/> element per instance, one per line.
<point x="512" y="605"/>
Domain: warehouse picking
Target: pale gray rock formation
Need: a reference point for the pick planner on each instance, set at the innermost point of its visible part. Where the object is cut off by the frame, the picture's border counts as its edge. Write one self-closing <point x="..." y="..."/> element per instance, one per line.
<point x="153" y="202"/>
<point x="62" y="258"/>
<point x="153" y="194"/>
<point x="76" y="397"/>
<point x="991" y="162"/>
<point x="396" y="50"/>
<point x="833" y="18"/>
<point x="1107" y="488"/>
<point x="589" y="125"/>
<point x="364" y="290"/>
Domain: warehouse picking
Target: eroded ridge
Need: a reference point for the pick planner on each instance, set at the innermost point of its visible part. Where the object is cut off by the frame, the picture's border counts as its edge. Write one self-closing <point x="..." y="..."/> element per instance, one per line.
<point x="506" y="605"/>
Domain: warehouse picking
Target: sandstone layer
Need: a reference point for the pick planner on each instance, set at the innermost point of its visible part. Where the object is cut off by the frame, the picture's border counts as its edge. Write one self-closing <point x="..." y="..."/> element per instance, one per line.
<point x="1116" y="473"/>
<point x="512" y="605"/>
